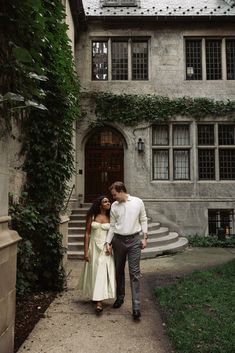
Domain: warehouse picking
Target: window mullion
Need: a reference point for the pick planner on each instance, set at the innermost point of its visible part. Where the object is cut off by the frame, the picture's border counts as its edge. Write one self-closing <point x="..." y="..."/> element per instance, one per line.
<point x="223" y="57"/>
<point x="203" y="59"/>
<point x="129" y="59"/>
<point x="216" y="153"/>
<point x="171" y="161"/>
<point x="109" y="60"/>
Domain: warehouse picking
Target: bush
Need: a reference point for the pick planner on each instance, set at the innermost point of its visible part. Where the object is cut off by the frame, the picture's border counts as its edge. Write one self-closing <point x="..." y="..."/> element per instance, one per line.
<point x="210" y="241"/>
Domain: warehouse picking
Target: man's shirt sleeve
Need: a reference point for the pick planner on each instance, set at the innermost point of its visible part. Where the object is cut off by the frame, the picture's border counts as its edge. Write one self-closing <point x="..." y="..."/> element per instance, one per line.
<point x="110" y="234"/>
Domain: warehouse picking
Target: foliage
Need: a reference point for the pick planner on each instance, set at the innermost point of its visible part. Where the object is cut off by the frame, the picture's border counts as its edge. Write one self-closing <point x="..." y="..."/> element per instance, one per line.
<point x="22" y="69"/>
<point x="132" y="109"/>
<point x="210" y="241"/>
<point x="25" y="220"/>
<point x="198" y="313"/>
<point x="41" y="72"/>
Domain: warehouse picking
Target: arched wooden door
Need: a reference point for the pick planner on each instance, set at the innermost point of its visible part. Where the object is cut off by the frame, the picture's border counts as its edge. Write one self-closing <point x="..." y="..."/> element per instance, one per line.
<point x="103" y="162"/>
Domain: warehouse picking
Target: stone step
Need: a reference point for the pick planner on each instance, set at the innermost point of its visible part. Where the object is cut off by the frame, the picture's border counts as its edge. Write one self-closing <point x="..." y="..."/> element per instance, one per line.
<point x="160" y="232"/>
<point x="159" y="241"/>
<point x="148" y="253"/>
<point x="151" y="252"/>
<point x="75" y="254"/>
<point x="77" y="243"/>
<point x="80" y="225"/>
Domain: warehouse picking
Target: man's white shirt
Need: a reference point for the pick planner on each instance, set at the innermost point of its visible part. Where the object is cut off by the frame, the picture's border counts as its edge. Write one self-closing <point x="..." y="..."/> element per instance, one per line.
<point x="127" y="218"/>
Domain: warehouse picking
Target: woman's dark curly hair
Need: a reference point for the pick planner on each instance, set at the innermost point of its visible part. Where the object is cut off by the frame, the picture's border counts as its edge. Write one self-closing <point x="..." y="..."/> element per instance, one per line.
<point x="95" y="208"/>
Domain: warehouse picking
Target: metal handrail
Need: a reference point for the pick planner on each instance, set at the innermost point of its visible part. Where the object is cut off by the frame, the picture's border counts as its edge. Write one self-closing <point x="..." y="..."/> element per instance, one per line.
<point x="67" y="202"/>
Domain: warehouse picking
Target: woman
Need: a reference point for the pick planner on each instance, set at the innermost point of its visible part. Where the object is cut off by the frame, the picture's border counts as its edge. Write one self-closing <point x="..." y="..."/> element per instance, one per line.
<point x="98" y="277"/>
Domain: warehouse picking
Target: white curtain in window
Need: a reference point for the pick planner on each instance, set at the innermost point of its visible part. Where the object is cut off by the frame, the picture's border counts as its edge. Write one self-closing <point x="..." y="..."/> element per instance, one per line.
<point x="181" y="165"/>
<point x="161" y="135"/>
<point x="180" y="135"/>
<point x="160" y="165"/>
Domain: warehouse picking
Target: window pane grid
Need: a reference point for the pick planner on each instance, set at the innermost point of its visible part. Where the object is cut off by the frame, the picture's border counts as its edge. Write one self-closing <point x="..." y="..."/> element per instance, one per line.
<point x="230" y="58"/>
<point x="100" y="60"/>
<point x="161" y="135"/>
<point x="139" y="60"/>
<point x="180" y="135"/>
<point x="193" y="59"/>
<point x="220" y="220"/>
<point x="213" y="59"/>
<point x="206" y="164"/>
<point x="161" y="165"/>
<point x="227" y="163"/>
<point x="181" y="164"/>
<point x="226" y="135"/>
<point x="119" y="61"/>
<point x="206" y="134"/>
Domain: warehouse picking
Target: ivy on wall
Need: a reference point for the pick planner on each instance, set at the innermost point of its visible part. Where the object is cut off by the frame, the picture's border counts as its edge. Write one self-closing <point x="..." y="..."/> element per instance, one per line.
<point x="133" y="109"/>
<point x="41" y="87"/>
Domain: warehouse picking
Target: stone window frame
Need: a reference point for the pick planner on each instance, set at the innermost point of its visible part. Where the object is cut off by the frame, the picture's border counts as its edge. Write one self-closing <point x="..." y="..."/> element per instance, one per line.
<point x="171" y="148"/>
<point x="224" y="67"/>
<point x="129" y="40"/>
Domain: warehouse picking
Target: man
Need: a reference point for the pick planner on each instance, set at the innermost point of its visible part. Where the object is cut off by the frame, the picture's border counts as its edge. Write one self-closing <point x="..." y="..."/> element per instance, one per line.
<point x="127" y="221"/>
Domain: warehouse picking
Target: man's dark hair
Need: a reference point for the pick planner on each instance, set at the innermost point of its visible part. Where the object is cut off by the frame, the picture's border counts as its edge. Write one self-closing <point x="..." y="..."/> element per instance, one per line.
<point x="118" y="186"/>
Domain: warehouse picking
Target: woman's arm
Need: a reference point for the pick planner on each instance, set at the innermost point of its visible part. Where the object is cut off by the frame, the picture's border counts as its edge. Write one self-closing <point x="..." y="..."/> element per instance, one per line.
<point x="86" y="238"/>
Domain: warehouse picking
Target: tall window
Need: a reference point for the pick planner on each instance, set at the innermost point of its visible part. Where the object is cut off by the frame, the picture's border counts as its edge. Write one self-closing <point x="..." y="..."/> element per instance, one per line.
<point x="204" y="58"/>
<point x="99" y="60"/>
<point x="230" y="58"/>
<point x="213" y="59"/>
<point x="171" y="152"/>
<point x="216" y="151"/>
<point x="139" y="60"/>
<point x="129" y="59"/>
<point x="119" y="60"/>
<point x="193" y="49"/>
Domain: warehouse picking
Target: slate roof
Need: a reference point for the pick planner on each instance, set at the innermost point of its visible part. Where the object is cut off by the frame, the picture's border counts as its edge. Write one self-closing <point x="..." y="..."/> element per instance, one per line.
<point x="163" y="8"/>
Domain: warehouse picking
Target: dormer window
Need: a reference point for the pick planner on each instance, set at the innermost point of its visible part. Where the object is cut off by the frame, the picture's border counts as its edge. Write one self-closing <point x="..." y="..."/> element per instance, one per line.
<point x="112" y="3"/>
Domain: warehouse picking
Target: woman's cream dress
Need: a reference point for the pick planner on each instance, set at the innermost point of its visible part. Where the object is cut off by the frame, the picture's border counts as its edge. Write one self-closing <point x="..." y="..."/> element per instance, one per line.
<point x="97" y="280"/>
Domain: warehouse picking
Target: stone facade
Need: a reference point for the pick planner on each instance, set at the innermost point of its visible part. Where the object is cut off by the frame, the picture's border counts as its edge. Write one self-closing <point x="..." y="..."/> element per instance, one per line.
<point x="8" y="253"/>
<point x="181" y="205"/>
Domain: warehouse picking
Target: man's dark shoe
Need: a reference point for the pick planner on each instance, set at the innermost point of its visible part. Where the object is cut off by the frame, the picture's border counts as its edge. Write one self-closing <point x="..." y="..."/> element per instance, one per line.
<point x="136" y="315"/>
<point x="118" y="303"/>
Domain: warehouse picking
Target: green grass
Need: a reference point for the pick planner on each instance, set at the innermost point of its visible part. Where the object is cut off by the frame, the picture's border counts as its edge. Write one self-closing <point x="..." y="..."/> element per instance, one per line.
<point x="199" y="311"/>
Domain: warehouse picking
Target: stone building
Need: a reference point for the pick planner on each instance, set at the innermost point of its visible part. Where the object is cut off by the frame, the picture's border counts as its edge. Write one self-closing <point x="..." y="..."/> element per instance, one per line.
<point x="186" y="171"/>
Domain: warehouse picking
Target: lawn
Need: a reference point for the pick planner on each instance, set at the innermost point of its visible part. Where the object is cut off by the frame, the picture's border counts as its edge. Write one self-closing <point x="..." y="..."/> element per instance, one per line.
<point x="199" y="311"/>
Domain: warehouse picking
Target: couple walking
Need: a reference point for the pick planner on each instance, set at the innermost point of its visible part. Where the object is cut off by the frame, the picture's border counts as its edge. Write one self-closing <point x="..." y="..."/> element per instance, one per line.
<point x="114" y="233"/>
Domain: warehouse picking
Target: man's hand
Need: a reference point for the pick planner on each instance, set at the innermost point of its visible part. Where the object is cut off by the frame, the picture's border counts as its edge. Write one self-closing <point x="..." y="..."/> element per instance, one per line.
<point x="144" y="243"/>
<point x="108" y="249"/>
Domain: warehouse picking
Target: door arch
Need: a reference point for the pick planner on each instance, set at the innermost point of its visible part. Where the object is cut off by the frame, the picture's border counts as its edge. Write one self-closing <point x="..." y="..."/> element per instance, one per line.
<point x="104" y="161"/>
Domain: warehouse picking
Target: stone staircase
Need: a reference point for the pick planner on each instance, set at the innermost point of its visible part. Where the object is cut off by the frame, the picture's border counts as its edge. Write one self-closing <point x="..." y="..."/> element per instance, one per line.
<point x="160" y="240"/>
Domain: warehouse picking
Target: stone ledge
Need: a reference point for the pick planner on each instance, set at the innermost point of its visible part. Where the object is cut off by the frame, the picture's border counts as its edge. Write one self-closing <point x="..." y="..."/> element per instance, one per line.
<point x="8" y="238"/>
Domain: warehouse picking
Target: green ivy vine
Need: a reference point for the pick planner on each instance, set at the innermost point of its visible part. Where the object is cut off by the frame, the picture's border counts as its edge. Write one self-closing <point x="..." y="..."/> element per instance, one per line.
<point x="131" y="109"/>
<point x="41" y="88"/>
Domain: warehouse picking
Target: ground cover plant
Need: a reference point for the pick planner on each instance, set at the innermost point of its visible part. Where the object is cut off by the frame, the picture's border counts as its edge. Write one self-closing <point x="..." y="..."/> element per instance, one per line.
<point x="211" y="241"/>
<point x="198" y="311"/>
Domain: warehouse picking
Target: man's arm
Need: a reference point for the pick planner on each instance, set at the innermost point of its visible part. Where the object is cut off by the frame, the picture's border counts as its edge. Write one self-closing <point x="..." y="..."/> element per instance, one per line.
<point x="144" y="224"/>
<point x="110" y="234"/>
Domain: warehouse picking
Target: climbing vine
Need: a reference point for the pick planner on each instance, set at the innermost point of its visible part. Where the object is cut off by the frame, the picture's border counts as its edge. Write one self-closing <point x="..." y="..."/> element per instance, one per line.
<point x="41" y="85"/>
<point x="131" y="109"/>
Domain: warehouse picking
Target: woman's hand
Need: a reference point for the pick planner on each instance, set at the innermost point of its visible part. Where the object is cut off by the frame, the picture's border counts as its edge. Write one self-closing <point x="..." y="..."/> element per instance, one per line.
<point x="86" y="258"/>
<point x="108" y="249"/>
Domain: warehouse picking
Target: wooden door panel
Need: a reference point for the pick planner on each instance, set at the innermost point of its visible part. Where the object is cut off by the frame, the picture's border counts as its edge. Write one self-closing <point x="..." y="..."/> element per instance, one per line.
<point x="102" y="168"/>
